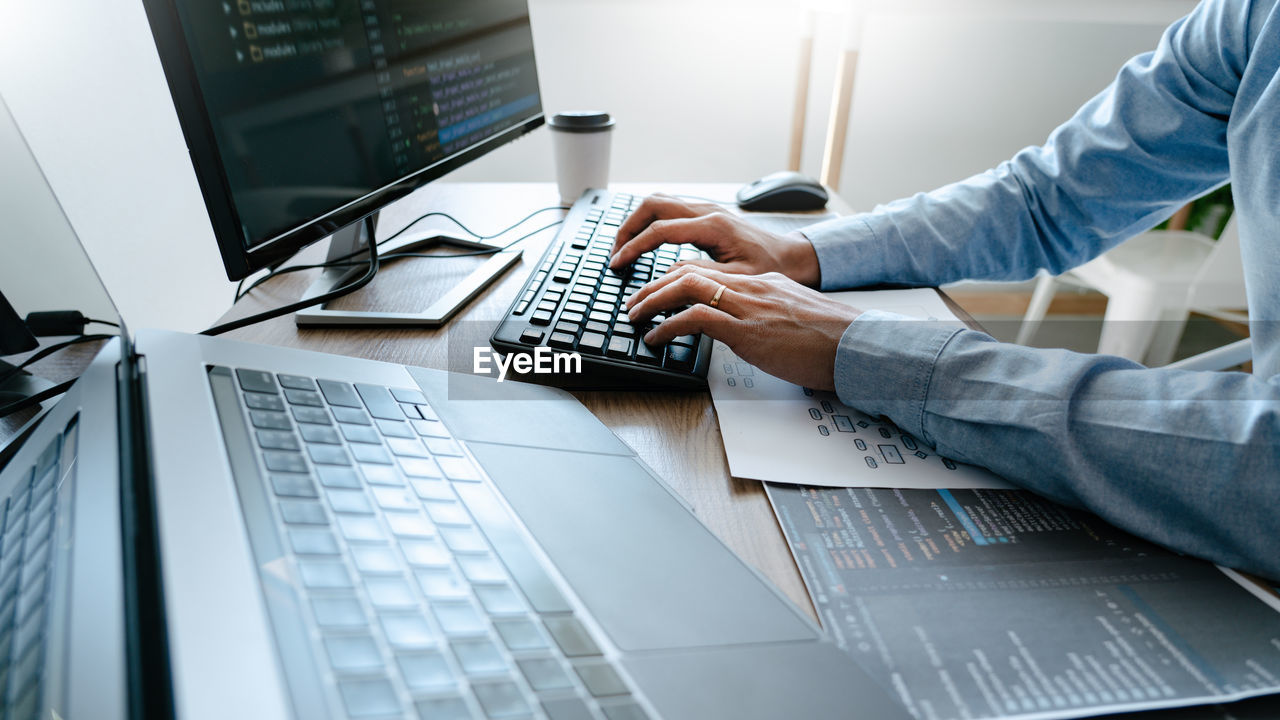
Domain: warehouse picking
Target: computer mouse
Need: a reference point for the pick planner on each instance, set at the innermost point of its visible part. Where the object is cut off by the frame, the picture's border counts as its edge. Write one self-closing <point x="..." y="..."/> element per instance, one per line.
<point x="785" y="191"/>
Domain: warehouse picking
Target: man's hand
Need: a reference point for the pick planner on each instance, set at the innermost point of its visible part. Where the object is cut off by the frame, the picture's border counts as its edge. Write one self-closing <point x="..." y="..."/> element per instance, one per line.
<point x="734" y="245"/>
<point x="770" y="321"/>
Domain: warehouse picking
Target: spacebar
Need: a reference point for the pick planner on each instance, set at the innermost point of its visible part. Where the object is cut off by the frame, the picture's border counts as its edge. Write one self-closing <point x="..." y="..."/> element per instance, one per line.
<point x="498" y="525"/>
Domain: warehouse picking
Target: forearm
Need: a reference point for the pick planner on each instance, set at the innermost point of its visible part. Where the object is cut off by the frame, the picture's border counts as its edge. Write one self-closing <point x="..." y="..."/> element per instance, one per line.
<point x="1144" y="146"/>
<point x="1189" y="460"/>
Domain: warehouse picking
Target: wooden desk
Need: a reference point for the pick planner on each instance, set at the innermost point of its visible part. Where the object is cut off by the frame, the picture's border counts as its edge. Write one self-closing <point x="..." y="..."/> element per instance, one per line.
<point x="675" y="432"/>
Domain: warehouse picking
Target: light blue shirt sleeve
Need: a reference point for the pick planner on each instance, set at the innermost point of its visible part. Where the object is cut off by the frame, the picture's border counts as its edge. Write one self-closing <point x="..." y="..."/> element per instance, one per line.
<point x="1190" y="460"/>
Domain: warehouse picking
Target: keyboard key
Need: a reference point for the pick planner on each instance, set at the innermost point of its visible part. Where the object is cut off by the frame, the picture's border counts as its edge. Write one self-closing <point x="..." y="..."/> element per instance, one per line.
<point x="410" y="411"/>
<point x="339" y="393"/>
<point x="571" y="636"/>
<point x="353" y="416"/>
<point x="374" y="454"/>
<point x="381" y="475"/>
<point x="561" y="340"/>
<point x="598" y="316"/>
<point x="277" y="440"/>
<point x="349" y="501"/>
<point x="293" y="486"/>
<point x="337" y="477"/>
<point x="545" y="674"/>
<point x="318" y="574"/>
<point x="592" y="342"/>
<point x="328" y="455"/>
<point x="407" y="632"/>
<point x="479" y="657"/>
<point x="458" y="618"/>
<point x="303" y="397"/>
<point x="601" y="679"/>
<point x="432" y="489"/>
<point x="429" y="428"/>
<point x="447" y="513"/>
<point x="502" y="699"/>
<point x="442" y="584"/>
<point x="361" y="528"/>
<point x="395" y="428"/>
<point x="259" y="401"/>
<point x="375" y="560"/>
<point x="278" y="461"/>
<point x="568" y="328"/>
<point x="394" y="498"/>
<point x="686" y="340"/>
<point x="409" y="525"/>
<point x="462" y="540"/>
<point x="647" y="354"/>
<point x="409" y="447"/>
<point x="361" y="434"/>
<point x="409" y="395"/>
<point x="575" y="307"/>
<point x="520" y="634"/>
<point x="315" y="416"/>
<point x="570" y="708"/>
<point x="319" y="434"/>
<point x="443" y="708"/>
<point x="531" y="337"/>
<point x="256" y="381"/>
<point x="419" y="467"/>
<point x="425" y="553"/>
<point x="426" y="670"/>
<point x="353" y="654"/>
<point x="624" y="711"/>
<point x="679" y="357"/>
<point x="297" y="382"/>
<point x="481" y="569"/>
<point x="543" y="317"/>
<point x="389" y="593"/>
<point x="500" y="600"/>
<point x="303" y="512"/>
<point x="620" y="347"/>
<point x="267" y="420"/>
<point x="379" y="402"/>
<point x="339" y="612"/>
<point x="365" y="698"/>
<point x="312" y="541"/>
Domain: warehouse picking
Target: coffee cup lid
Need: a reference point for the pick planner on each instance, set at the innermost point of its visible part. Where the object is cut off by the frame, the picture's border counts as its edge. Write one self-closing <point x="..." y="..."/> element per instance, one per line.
<point x="581" y="121"/>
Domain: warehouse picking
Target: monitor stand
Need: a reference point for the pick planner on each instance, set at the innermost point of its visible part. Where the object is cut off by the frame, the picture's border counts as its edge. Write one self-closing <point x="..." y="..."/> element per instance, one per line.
<point x="352" y="243"/>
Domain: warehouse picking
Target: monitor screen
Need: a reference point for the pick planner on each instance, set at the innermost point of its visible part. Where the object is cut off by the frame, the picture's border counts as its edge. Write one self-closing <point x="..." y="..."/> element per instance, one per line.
<point x="304" y="116"/>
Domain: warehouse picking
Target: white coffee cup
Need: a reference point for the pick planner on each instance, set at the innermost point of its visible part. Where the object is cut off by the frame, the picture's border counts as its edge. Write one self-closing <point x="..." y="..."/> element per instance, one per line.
<point x="581" y="139"/>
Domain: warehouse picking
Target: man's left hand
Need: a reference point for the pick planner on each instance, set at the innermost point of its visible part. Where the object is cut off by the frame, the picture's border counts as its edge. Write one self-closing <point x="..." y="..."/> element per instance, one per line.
<point x="780" y="326"/>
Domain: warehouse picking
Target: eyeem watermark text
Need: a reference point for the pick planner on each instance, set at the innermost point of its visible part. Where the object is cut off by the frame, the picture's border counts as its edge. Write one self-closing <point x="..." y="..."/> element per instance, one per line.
<point x="541" y="361"/>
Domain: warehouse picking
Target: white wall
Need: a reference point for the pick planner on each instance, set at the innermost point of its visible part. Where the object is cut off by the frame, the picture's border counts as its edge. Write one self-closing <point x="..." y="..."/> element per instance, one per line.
<point x="702" y="90"/>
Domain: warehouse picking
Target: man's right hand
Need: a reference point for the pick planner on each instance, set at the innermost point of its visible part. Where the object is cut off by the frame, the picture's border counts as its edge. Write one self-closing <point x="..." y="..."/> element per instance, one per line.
<point x="735" y="246"/>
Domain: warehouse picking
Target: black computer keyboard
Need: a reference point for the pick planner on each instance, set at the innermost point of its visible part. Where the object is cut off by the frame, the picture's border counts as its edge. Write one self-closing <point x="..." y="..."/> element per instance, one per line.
<point x="573" y="302"/>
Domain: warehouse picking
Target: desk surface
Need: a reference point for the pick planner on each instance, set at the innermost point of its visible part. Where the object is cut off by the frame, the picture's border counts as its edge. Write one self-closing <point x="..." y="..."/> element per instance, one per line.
<point x="675" y="432"/>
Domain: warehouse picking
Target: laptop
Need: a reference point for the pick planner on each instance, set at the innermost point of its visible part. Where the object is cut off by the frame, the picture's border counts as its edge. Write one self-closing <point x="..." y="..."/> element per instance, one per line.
<point x="205" y="528"/>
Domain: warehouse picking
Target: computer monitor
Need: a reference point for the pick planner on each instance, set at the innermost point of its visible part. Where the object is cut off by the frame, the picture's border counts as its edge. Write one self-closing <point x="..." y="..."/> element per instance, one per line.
<point x="305" y="117"/>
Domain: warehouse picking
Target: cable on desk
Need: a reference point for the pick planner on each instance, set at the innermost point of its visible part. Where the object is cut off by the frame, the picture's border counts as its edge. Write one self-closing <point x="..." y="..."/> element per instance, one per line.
<point x="486" y="251"/>
<point x="303" y="304"/>
<point x="46" y="352"/>
<point x="39" y="397"/>
<point x="241" y="291"/>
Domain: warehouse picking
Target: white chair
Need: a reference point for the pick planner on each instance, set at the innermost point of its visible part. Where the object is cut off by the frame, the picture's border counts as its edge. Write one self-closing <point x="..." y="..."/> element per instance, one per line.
<point x="1152" y="282"/>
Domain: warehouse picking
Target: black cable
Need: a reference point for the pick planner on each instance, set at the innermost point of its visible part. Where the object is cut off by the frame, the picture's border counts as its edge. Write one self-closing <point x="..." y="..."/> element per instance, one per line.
<point x="90" y="321"/>
<point x="39" y="397"/>
<point x="46" y="352"/>
<point x="302" y="304"/>
<point x="486" y="251"/>
<point x="241" y="291"/>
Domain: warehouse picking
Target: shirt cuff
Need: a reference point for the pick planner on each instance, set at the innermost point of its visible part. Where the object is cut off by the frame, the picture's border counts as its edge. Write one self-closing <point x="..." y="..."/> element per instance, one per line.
<point x="834" y="242"/>
<point x="885" y="363"/>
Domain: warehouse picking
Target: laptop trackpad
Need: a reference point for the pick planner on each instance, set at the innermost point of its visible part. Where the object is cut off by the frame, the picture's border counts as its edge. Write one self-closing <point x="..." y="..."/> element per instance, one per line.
<point x="651" y="574"/>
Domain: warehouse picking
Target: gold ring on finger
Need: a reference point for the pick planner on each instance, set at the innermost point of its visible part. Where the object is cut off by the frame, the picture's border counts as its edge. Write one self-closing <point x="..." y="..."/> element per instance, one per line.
<point x="715" y="299"/>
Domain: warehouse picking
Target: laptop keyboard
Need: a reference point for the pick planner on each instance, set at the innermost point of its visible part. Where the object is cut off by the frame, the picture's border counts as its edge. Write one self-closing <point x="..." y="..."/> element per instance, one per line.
<point x="574" y="302"/>
<point x="423" y="598"/>
<point x="26" y="557"/>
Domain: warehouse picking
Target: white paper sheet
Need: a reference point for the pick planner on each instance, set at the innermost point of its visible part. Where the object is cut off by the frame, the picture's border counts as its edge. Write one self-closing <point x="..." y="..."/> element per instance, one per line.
<point x="779" y="432"/>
